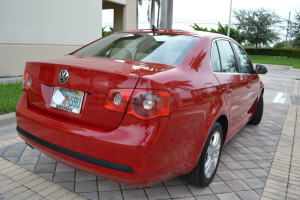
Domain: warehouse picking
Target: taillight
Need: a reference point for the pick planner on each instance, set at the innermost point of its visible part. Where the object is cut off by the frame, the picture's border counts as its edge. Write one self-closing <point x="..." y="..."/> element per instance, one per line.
<point x="143" y="104"/>
<point x="27" y="82"/>
<point x="116" y="100"/>
<point x="149" y="104"/>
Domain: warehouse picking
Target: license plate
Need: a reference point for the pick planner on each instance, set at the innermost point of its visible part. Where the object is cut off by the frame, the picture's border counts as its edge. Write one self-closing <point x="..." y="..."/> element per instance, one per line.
<point x="67" y="99"/>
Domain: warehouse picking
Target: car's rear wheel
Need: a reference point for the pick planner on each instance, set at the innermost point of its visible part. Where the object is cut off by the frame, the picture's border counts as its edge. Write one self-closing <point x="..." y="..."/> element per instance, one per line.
<point x="258" y="113"/>
<point x="206" y="168"/>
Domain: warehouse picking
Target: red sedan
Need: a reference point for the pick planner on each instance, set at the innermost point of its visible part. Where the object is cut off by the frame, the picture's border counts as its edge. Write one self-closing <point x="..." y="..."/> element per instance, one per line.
<point x="140" y="107"/>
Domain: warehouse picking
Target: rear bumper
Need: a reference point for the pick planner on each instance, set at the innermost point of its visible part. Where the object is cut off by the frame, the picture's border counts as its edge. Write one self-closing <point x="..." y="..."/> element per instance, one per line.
<point x="74" y="154"/>
<point x="139" y="153"/>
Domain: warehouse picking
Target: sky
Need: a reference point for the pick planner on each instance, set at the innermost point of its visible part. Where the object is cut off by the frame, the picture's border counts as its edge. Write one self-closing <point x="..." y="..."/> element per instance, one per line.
<point x="208" y="13"/>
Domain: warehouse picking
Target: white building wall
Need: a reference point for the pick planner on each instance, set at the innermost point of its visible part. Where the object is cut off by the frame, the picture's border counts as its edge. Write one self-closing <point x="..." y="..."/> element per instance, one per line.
<point x="38" y="29"/>
<point x="14" y="56"/>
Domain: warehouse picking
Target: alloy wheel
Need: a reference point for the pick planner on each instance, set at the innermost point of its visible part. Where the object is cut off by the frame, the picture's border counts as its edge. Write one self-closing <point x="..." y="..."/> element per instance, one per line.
<point x="212" y="155"/>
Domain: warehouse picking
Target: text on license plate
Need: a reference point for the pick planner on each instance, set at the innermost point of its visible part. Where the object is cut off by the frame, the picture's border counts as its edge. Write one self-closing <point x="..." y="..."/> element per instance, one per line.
<point x="67" y="99"/>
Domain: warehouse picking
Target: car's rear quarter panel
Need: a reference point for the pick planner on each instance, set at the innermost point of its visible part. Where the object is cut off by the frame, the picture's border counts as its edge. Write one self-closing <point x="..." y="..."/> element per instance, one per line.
<point x="197" y="102"/>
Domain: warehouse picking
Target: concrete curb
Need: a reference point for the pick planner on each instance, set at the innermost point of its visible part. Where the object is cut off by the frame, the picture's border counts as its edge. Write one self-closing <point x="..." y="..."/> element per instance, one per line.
<point x="291" y="67"/>
<point x="294" y="69"/>
<point x="11" y="80"/>
<point x="7" y="119"/>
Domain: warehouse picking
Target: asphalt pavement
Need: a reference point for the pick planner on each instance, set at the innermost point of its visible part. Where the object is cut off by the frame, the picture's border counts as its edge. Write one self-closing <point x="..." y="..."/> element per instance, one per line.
<point x="280" y="85"/>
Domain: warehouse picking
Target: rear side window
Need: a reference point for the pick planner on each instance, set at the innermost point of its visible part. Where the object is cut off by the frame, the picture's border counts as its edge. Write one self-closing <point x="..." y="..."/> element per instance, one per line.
<point x="244" y="61"/>
<point x="168" y="49"/>
<point x="228" y="60"/>
<point x="216" y="62"/>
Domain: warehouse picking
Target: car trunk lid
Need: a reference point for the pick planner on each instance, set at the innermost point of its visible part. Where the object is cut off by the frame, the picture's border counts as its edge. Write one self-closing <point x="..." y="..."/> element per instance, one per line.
<point x="92" y="76"/>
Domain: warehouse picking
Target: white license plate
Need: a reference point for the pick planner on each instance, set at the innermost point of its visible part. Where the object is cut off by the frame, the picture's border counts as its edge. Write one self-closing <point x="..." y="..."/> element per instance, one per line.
<point x="66" y="99"/>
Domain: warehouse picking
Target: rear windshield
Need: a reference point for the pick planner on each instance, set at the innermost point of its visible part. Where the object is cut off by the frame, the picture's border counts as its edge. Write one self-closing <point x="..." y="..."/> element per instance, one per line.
<point x="158" y="48"/>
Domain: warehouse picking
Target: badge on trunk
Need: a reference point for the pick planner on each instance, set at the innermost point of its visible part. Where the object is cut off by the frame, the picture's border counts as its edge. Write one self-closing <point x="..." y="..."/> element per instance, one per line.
<point x="63" y="76"/>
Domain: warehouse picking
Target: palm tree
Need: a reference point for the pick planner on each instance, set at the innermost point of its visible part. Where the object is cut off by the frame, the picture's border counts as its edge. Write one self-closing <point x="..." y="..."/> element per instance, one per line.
<point x="151" y="12"/>
<point x="152" y="16"/>
<point x="166" y="14"/>
<point x="163" y="18"/>
<point x="158" y="12"/>
<point x="170" y="14"/>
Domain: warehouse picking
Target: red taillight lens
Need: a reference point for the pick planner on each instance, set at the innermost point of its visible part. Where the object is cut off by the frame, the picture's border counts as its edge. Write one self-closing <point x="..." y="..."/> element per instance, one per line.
<point x="27" y="82"/>
<point x="116" y="100"/>
<point x="143" y="104"/>
<point x="149" y="104"/>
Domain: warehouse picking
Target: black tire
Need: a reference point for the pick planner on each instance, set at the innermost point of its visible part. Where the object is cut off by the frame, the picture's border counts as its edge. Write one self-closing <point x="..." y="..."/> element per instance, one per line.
<point x="198" y="177"/>
<point x="258" y="113"/>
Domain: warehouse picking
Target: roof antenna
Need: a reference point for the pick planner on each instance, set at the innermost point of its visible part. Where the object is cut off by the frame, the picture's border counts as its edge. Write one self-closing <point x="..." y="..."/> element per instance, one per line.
<point x="154" y="28"/>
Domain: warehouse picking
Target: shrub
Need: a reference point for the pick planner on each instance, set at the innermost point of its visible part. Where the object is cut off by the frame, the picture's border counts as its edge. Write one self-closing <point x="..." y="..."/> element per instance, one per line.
<point x="105" y="33"/>
<point x="289" y="53"/>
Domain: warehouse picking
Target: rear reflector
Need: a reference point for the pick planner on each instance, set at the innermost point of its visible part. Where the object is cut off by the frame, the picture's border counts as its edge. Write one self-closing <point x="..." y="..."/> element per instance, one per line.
<point x="27" y="82"/>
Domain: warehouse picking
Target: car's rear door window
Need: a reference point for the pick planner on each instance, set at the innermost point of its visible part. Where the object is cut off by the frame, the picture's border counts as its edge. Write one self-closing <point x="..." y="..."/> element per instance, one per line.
<point x="228" y="60"/>
<point x="216" y="62"/>
<point x="244" y="61"/>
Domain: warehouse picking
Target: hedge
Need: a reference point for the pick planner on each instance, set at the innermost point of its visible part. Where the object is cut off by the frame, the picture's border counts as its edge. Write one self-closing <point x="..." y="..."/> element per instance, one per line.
<point x="289" y="53"/>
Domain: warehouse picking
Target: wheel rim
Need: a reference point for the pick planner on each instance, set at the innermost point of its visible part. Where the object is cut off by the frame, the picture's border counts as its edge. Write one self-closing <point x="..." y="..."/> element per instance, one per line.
<point x="212" y="154"/>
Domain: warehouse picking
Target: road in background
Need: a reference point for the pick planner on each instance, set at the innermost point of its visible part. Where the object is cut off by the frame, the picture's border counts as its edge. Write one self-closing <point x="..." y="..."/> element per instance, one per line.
<point x="281" y="85"/>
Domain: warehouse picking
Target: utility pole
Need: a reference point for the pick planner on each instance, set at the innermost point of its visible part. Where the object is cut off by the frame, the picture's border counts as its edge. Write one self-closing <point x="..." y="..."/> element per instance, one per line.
<point x="229" y="20"/>
<point x="287" y="31"/>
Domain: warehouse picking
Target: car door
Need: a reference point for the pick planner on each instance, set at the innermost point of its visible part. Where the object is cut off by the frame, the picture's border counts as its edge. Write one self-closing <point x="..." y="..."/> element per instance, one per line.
<point x="249" y="76"/>
<point x="234" y="87"/>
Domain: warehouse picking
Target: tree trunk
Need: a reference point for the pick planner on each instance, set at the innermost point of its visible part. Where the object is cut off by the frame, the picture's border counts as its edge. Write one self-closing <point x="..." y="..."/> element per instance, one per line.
<point x="158" y="12"/>
<point x="137" y="17"/>
<point x="170" y="14"/>
<point x="152" y="13"/>
<point x="163" y="15"/>
<point x="255" y="49"/>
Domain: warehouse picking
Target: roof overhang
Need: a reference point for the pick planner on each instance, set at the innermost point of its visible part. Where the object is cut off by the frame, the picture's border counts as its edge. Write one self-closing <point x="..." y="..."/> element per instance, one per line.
<point x="121" y="2"/>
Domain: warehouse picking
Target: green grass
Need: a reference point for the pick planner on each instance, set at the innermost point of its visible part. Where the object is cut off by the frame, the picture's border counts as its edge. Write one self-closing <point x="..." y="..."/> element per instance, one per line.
<point x="276" y="60"/>
<point x="9" y="96"/>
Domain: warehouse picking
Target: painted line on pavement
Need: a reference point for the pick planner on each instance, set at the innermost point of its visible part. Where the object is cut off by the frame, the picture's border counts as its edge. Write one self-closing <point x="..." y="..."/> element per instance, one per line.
<point x="282" y="100"/>
<point x="278" y="97"/>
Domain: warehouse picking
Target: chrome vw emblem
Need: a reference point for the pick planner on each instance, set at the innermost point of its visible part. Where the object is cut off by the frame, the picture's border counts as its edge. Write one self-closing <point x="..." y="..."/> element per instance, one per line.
<point x="63" y="76"/>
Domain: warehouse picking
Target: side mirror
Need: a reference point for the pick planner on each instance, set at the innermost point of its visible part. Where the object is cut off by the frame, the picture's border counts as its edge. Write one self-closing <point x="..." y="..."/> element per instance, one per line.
<point x="260" y="69"/>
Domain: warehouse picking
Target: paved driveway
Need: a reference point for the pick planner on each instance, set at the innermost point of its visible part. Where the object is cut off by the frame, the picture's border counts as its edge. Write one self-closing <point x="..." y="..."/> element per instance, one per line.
<point x="260" y="162"/>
